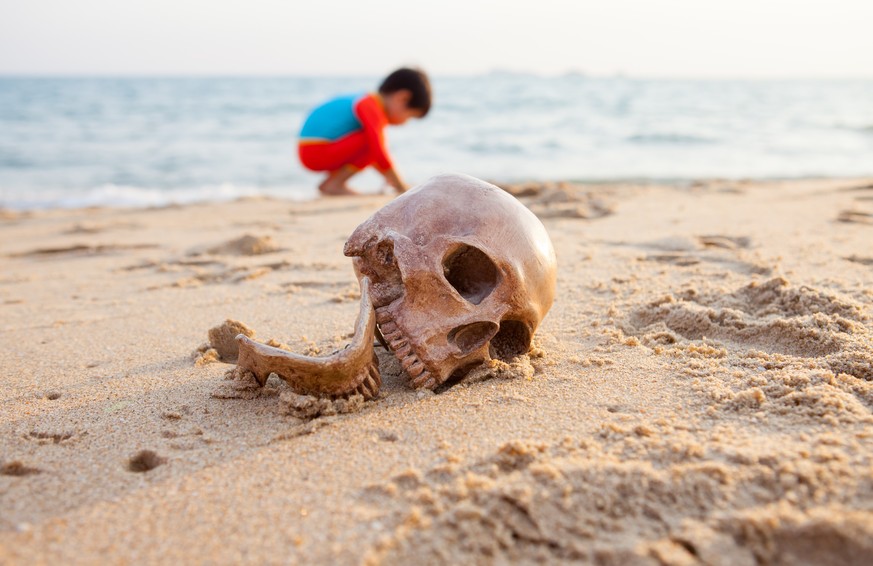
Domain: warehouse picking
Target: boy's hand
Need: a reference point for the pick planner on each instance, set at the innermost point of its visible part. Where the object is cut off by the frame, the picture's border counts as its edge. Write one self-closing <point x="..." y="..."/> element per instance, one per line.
<point x="393" y="179"/>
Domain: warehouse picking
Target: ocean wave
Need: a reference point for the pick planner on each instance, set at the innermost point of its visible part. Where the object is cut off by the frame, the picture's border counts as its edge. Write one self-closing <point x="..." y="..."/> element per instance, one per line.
<point x="495" y="147"/>
<point x="10" y="161"/>
<point x="123" y="196"/>
<point x="860" y="128"/>
<point x="669" y="138"/>
<point x="137" y="142"/>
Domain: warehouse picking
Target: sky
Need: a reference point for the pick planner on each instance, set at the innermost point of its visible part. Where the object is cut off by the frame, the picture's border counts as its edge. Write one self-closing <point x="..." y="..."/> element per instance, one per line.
<point x="646" y="38"/>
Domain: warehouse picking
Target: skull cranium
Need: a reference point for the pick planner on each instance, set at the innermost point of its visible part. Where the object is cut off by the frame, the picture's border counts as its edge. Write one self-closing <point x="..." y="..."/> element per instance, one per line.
<point x="458" y="272"/>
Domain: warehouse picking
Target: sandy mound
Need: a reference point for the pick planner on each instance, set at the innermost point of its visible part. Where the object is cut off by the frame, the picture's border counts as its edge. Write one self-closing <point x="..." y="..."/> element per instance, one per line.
<point x="772" y="316"/>
<point x="563" y="200"/>
<point x="222" y="344"/>
<point x="642" y="495"/>
<point x="246" y="245"/>
<point x="309" y="407"/>
<point x="242" y="384"/>
<point x="519" y="367"/>
<point x="767" y="349"/>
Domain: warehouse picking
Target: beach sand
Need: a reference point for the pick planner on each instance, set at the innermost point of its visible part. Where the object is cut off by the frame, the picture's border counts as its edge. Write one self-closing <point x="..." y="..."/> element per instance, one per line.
<point x="701" y="391"/>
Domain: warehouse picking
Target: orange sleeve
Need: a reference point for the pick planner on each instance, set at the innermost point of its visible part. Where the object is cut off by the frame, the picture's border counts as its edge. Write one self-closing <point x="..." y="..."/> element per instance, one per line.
<point x="373" y="120"/>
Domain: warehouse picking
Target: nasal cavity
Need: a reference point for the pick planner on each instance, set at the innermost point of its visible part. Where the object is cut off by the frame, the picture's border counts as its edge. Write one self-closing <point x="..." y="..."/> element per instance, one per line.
<point x="470" y="337"/>
<point x="471" y="273"/>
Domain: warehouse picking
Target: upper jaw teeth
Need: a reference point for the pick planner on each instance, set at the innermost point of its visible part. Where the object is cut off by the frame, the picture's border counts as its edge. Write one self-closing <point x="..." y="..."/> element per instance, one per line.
<point x="415" y="369"/>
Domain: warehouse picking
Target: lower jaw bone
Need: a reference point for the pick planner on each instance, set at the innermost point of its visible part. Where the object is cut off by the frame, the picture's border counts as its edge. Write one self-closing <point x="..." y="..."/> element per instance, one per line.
<point x="352" y="370"/>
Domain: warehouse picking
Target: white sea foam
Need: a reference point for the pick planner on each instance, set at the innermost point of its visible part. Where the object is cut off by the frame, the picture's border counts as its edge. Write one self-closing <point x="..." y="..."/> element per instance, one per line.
<point x="141" y="197"/>
<point x="152" y="142"/>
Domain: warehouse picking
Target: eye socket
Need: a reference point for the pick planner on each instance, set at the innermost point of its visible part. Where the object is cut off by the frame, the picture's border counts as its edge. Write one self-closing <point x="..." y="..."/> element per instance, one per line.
<point x="472" y="273"/>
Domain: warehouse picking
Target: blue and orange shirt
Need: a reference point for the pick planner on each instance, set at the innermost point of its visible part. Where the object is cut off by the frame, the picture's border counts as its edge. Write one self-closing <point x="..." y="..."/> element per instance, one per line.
<point x="349" y="114"/>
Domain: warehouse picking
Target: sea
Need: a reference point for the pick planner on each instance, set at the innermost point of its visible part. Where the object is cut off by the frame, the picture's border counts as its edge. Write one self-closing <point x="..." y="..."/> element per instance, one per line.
<point x="153" y="141"/>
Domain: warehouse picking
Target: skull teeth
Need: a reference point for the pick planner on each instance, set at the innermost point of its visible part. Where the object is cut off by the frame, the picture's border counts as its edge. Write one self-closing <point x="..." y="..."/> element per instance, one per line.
<point x="383" y="317"/>
<point x="392" y="337"/>
<point x="424" y="380"/>
<point x="369" y="387"/>
<point x="391" y="332"/>
<point x="415" y="369"/>
<point x="403" y="351"/>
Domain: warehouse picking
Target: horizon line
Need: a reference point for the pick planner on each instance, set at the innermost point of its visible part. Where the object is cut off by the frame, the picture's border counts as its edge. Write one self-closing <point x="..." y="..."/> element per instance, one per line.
<point x="493" y="72"/>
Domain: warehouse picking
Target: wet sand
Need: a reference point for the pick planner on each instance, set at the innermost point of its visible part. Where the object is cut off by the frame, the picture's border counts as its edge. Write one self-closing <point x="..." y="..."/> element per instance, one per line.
<point x="701" y="391"/>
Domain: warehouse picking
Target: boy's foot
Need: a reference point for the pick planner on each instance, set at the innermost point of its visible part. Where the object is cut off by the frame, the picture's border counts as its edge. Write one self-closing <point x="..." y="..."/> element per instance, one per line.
<point x="330" y="187"/>
<point x="335" y="183"/>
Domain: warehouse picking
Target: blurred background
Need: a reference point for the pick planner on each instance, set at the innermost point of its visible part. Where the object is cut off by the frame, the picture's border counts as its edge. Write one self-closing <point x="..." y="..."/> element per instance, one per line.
<point x="147" y="103"/>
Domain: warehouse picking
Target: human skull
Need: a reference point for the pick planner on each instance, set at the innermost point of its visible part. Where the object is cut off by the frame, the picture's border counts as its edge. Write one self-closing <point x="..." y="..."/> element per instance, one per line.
<point x="460" y="272"/>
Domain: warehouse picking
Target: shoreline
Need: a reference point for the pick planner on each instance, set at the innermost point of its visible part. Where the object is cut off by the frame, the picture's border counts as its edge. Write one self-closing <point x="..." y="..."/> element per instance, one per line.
<point x="274" y="194"/>
<point x="704" y="391"/>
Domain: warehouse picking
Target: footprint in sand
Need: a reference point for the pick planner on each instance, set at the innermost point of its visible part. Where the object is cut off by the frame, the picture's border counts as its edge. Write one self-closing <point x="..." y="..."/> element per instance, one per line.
<point x="203" y="271"/>
<point x="563" y="200"/>
<point x="363" y="204"/>
<point x="855" y="217"/>
<point x="17" y="468"/>
<point x="862" y="188"/>
<point x="170" y="265"/>
<point x="337" y="291"/>
<point x="92" y="228"/>
<point x="861" y="260"/>
<point x="713" y="249"/>
<point x="259" y="224"/>
<point x="82" y="250"/>
<point x="861" y="193"/>
<point x="145" y="461"/>
<point x="681" y="260"/>
<point x="208" y="272"/>
<point x="42" y="437"/>
<point x="725" y="242"/>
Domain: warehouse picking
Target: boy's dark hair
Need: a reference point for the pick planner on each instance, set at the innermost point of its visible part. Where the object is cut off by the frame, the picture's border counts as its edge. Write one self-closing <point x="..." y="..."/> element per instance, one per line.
<point x="413" y="80"/>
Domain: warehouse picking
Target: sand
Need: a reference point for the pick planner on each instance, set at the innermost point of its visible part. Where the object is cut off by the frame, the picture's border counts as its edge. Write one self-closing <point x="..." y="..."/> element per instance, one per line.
<point x="700" y="393"/>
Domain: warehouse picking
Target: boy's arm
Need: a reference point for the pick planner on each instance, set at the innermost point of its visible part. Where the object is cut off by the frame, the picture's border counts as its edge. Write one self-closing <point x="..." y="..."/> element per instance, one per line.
<point x="393" y="179"/>
<point x="373" y="121"/>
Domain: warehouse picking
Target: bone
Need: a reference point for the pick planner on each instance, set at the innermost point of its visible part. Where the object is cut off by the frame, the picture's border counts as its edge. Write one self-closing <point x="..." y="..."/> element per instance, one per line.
<point x="460" y="271"/>
<point x="350" y="371"/>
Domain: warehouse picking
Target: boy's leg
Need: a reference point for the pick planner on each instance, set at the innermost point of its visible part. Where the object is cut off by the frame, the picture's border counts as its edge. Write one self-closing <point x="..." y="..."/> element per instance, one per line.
<point x="341" y="159"/>
<point x="335" y="183"/>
